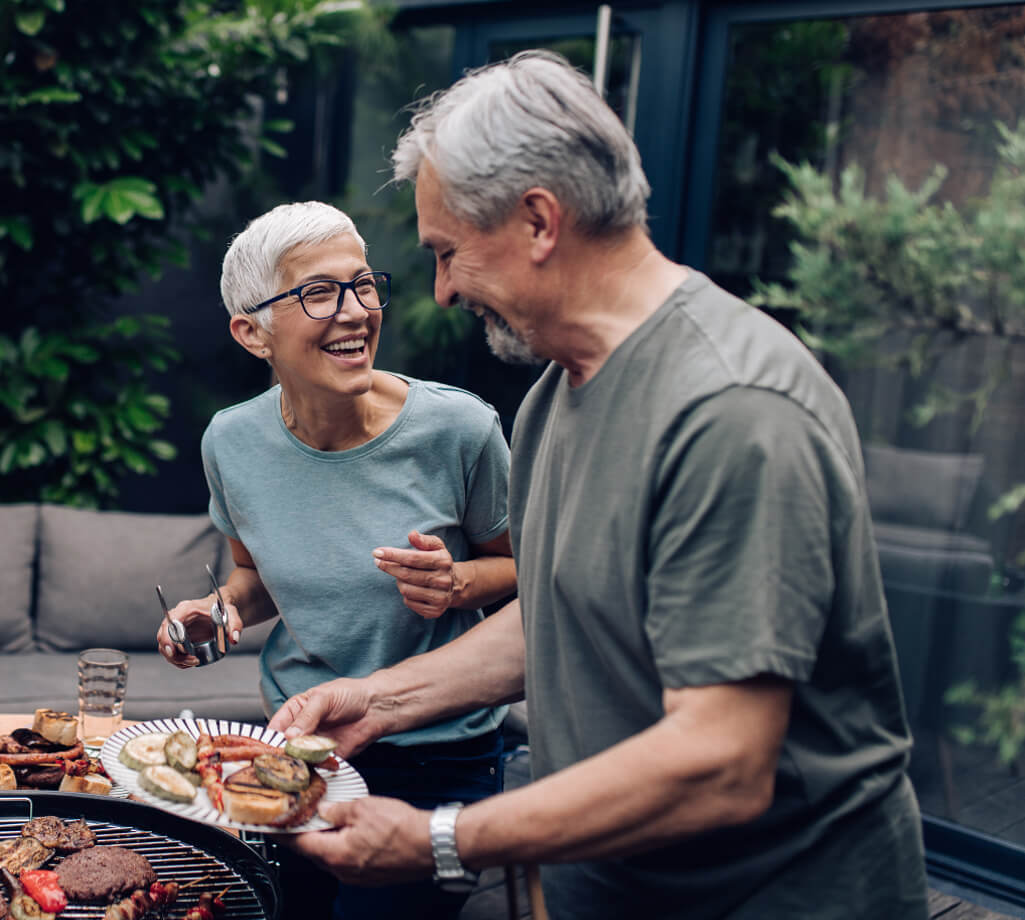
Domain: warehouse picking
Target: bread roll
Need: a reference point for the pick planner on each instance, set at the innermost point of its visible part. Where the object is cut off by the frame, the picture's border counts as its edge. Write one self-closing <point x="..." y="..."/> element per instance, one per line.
<point x="91" y="783"/>
<point x="248" y="801"/>
<point x="58" y="727"/>
<point x="7" y="778"/>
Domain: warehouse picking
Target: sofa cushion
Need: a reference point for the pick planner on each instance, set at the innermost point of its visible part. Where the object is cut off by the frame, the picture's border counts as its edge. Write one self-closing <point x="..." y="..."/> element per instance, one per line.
<point x="98" y="571"/>
<point x="933" y="560"/>
<point x="921" y="488"/>
<point x="19" y="532"/>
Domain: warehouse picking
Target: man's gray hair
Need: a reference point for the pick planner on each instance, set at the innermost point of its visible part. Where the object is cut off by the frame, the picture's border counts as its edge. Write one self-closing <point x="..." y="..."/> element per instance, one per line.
<point x="251" y="270"/>
<point x="532" y="120"/>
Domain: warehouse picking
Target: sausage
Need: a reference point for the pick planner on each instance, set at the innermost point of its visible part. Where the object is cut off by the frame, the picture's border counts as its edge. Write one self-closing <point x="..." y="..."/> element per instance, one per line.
<point x="40" y="757"/>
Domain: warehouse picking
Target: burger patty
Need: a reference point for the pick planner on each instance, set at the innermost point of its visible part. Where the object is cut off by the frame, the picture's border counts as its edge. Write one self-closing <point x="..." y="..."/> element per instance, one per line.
<point x="104" y="873"/>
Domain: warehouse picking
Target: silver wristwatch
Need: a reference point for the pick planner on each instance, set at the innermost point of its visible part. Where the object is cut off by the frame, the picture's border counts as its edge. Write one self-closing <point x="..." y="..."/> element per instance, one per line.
<point x="449" y="873"/>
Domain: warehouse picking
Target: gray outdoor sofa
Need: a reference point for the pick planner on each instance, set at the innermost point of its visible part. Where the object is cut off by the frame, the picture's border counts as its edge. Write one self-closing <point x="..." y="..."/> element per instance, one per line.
<point x="73" y="579"/>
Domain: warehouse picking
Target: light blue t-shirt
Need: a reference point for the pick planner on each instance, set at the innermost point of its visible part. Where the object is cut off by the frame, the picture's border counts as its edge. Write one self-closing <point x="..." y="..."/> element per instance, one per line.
<point x="311" y="520"/>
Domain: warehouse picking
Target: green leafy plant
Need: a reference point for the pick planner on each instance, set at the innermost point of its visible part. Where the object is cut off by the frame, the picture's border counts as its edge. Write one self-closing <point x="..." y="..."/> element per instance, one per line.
<point x="77" y="414"/>
<point x="116" y="118"/>
<point x="1001" y="713"/>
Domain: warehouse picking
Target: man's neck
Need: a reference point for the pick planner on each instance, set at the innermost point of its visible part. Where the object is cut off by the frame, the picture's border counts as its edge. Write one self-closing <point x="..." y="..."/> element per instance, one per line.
<point x="617" y="285"/>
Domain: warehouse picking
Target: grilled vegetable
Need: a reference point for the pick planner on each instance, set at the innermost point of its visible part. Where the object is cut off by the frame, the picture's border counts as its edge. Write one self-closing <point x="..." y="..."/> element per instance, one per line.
<point x="167" y="783"/>
<point x="23" y="853"/>
<point x="311" y="748"/>
<point x="42" y="886"/>
<point x="181" y="751"/>
<point x="279" y="771"/>
<point x="25" y="908"/>
<point x="144" y="751"/>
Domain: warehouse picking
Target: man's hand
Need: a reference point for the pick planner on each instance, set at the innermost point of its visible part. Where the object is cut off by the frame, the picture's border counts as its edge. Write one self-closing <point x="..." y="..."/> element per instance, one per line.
<point x="427" y="578"/>
<point x="339" y="709"/>
<point x="376" y="841"/>
<point x="188" y="612"/>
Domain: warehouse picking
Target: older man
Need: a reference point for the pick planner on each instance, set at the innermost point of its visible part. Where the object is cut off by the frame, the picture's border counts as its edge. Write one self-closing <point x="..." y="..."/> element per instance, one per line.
<point x="716" y="724"/>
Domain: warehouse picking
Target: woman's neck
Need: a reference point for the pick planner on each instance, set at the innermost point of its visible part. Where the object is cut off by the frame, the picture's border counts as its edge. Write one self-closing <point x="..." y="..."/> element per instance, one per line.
<point x="344" y="421"/>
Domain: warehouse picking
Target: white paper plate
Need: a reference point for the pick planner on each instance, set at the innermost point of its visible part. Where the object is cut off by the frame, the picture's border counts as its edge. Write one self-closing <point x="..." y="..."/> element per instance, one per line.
<point x="343" y="784"/>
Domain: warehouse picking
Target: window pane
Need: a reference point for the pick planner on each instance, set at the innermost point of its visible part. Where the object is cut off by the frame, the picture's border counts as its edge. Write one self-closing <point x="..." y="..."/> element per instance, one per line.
<point x="871" y="195"/>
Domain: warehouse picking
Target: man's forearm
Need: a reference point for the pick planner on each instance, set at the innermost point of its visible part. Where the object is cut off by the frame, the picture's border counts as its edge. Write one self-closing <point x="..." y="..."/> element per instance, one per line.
<point x="700" y="767"/>
<point x="483" y="667"/>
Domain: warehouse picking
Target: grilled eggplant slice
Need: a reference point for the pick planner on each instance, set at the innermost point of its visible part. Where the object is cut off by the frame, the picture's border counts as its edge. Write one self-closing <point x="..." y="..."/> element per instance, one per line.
<point x="23" y="853"/>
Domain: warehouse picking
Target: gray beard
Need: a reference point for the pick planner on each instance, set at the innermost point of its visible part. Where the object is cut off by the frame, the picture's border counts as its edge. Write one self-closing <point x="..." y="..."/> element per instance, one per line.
<point x="505" y="344"/>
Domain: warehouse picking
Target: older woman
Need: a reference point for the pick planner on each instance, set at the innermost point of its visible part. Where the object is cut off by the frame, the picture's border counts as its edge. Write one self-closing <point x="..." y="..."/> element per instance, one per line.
<point x="319" y="482"/>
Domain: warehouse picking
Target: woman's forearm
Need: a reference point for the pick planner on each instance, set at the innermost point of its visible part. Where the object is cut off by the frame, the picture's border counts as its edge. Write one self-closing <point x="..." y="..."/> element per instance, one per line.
<point x="483" y="581"/>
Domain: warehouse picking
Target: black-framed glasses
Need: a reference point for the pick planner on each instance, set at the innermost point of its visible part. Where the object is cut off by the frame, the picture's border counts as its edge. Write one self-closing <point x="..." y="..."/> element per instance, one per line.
<point x="322" y="299"/>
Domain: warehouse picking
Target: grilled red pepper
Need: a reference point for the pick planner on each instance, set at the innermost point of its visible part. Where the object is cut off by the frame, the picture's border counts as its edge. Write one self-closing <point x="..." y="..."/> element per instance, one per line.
<point x="42" y="886"/>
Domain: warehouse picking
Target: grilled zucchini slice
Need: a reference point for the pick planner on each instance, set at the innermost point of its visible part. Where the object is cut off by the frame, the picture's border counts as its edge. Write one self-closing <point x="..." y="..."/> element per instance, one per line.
<point x="311" y="748"/>
<point x="280" y="771"/>
<point x="167" y="783"/>
<point x="181" y="751"/>
<point x="144" y="751"/>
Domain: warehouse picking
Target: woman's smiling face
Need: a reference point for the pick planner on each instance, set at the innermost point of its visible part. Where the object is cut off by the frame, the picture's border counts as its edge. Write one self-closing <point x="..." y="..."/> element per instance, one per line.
<point x="335" y="354"/>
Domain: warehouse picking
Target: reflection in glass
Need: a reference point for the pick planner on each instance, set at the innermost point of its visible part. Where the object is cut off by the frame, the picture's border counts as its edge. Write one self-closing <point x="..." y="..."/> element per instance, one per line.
<point x="871" y="195"/>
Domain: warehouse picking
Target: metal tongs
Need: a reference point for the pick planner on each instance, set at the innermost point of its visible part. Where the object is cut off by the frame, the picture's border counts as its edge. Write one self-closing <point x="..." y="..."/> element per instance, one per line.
<point x="207" y="650"/>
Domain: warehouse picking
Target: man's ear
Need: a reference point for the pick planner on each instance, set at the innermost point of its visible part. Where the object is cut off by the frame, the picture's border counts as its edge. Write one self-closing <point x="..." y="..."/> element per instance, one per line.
<point x="250" y="335"/>
<point x="542" y="213"/>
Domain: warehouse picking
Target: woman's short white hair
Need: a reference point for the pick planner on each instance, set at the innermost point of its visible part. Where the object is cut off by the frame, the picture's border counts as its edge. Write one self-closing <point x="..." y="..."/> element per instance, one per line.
<point x="532" y="120"/>
<point x="251" y="270"/>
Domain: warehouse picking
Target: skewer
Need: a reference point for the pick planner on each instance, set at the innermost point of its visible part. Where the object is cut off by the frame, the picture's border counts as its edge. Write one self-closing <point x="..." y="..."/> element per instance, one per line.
<point x="196" y="881"/>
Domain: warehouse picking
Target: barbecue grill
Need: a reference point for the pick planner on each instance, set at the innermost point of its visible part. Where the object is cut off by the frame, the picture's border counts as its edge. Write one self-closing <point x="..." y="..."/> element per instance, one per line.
<point x="179" y="850"/>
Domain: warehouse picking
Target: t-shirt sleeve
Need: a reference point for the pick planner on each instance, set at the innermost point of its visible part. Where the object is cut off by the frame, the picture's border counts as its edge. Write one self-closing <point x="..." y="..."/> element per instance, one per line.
<point x="740" y="576"/>
<point x="487" y="493"/>
<point x="218" y="505"/>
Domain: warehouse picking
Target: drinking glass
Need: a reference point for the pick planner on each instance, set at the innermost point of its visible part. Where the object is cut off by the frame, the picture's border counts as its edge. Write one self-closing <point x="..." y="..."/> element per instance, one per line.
<point x="102" y="680"/>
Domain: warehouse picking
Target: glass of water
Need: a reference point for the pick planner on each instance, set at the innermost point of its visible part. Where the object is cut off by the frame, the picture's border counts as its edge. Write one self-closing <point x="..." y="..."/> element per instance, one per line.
<point x="102" y="680"/>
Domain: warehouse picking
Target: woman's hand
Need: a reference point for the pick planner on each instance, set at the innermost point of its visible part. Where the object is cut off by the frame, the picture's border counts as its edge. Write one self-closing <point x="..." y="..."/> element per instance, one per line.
<point x="188" y="612"/>
<point x="427" y="578"/>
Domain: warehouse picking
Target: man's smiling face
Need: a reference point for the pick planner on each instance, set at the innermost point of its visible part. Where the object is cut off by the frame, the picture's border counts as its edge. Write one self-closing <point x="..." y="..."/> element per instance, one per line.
<point x="478" y="270"/>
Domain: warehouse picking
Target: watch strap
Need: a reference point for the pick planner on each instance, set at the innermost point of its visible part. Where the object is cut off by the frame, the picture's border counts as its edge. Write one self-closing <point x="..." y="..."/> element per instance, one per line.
<point x="449" y="871"/>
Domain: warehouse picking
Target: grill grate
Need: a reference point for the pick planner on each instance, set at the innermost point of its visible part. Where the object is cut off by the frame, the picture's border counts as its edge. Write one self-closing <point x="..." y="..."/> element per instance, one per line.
<point x="171" y="859"/>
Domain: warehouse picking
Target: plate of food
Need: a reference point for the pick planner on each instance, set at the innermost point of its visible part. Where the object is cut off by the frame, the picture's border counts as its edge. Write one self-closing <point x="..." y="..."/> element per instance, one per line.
<point x="49" y="756"/>
<point x="231" y="774"/>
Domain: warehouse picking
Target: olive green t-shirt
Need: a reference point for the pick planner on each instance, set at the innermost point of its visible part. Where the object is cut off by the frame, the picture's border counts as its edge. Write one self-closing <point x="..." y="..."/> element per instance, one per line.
<point x="695" y="514"/>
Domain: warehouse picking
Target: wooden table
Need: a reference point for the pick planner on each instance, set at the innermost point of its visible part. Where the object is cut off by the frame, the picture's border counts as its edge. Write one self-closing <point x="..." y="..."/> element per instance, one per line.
<point x="9" y="721"/>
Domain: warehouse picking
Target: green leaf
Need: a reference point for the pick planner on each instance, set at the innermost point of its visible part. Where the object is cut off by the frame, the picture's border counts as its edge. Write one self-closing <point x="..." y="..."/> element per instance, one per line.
<point x="18" y="229"/>
<point x="51" y="94"/>
<point x="56" y="437"/>
<point x="30" y="342"/>
<point x="50" y="368"/>
<point x="135" y="460"/>
<point x="274" y="149"/>
<point x="140" y="419"/>
<point x="279" y="125"/>
<point x="163" y="450"/>
<point x="7" y="456"/>
<point x="83" y="442"/>
<point x="31" y="454"/>
<point x="30" y="22"/>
